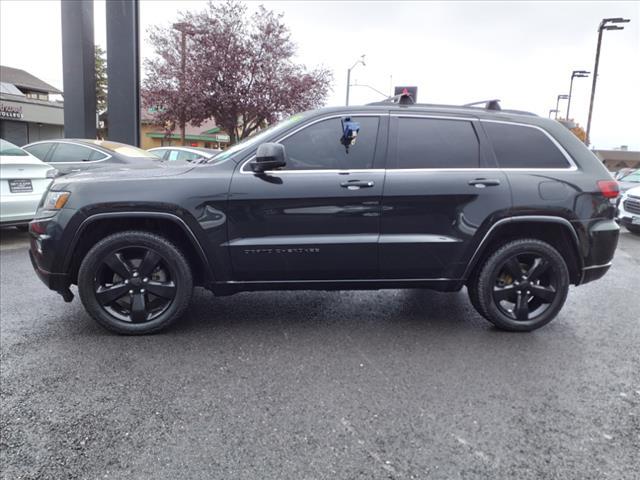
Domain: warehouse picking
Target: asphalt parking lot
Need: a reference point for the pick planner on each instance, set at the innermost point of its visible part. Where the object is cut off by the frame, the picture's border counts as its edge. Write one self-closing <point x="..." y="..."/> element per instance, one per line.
<point x="312" y="385"/>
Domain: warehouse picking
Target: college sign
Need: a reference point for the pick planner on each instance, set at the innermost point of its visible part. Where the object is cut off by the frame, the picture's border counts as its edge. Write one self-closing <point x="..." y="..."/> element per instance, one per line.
<point x="10" y="112"/>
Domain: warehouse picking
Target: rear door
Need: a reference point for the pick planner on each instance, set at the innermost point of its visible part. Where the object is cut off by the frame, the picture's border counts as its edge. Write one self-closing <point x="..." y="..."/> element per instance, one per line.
<point x="441" y="189"/>
<point x="318" y="218"/>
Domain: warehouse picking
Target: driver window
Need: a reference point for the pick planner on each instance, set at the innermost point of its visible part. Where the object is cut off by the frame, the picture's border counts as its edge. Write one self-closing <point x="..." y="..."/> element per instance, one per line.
<point x="318" y="147"/>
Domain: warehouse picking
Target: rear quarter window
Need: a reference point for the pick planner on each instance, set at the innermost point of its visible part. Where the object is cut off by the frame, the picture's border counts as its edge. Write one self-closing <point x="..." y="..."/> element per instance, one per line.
<point x="518" y="146"/>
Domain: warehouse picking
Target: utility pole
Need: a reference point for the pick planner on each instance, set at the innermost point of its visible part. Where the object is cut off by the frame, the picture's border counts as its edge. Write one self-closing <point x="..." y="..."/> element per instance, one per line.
<point x="603" y="26"/>
<point x="360" y="60"/>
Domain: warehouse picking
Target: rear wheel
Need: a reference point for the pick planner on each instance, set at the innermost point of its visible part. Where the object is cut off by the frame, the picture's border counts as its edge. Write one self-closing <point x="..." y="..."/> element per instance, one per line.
<point x="135" y="282"/>
<point x="522" y="286"/>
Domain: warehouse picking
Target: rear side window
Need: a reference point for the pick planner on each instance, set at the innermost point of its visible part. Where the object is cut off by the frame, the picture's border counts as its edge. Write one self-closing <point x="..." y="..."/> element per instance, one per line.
<point x="517" y="146"/>
<point x="436" y="143"/>
<point x="67" y="152"/>
<point x="39" y="150"/>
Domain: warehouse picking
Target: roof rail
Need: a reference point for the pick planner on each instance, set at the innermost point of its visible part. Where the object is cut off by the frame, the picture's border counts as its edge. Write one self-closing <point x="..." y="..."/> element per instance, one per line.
<point x="493" y="104"/>
<point x="401" y="99"/>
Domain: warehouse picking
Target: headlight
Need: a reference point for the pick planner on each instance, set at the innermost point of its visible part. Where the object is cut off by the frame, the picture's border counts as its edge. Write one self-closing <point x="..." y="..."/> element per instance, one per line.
<point x="55" y="200"/>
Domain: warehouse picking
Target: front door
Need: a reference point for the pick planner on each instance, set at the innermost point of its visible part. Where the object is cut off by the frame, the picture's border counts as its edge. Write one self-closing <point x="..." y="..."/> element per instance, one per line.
<point x="442" y="185"/>
<point x="318" y="218"/>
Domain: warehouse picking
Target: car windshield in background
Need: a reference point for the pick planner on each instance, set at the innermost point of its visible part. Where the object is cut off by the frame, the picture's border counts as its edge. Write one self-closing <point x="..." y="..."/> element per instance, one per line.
<point x="8" y="149"/>
<point x="632" y="177"/>
<point x="125" y="150"/>
<point x="256" y="139"/>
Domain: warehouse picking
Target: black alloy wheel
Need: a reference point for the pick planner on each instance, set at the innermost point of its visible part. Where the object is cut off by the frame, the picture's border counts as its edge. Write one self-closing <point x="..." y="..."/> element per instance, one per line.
<point x="135" y="282"/>
<point x="522" y="286"/>
<point x="525" y="286"/>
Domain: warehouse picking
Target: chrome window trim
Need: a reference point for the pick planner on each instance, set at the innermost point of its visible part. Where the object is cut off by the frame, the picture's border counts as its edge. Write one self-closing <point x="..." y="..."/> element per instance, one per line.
<point x="108" y="156"/>
<point x="302" y="127"/>
<point x="572" y="165"/>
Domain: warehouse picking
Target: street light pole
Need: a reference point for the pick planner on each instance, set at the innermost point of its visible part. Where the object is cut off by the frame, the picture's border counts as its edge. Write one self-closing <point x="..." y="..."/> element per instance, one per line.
<point x="360" y="60"/>
<point x="553" y="111"/>
<point x="560" y="97"/>
<point x="574" y="74"/>
<point x="603" y="26"/>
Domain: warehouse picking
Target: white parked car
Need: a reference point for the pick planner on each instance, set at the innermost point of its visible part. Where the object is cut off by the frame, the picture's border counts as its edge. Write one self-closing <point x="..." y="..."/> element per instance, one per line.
<point x="185" y="154"/>
<point x="629" y="210"/>
<point x="23" y="181"/>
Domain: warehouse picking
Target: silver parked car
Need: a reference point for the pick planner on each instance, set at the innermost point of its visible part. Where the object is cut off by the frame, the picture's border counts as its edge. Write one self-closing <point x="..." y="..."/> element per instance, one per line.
<point x="186" y="154"/>
<point x="77" y="155"/>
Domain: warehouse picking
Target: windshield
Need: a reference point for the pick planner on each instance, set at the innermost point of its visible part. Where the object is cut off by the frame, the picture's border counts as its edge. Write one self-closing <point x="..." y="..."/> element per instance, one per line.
<point x="10" y="150"/>
<point x="633" y="177"/>
<point x="257" y="138"/>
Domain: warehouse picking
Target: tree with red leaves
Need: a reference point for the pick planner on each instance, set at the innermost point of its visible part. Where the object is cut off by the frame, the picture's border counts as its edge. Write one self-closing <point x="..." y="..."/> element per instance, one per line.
<point x="239" y="70"/>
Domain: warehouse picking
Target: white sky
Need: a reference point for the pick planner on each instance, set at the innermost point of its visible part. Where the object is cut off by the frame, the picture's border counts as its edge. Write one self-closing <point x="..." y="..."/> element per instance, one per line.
<point x="455" y="52"/>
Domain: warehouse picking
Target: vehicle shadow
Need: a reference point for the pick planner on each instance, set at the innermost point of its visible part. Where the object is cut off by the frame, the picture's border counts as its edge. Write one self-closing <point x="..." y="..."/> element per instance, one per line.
<point x="421" y="309"/>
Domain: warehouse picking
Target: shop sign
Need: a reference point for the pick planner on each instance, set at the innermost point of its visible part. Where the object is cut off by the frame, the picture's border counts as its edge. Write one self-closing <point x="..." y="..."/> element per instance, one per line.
<point x="10" y="112"/>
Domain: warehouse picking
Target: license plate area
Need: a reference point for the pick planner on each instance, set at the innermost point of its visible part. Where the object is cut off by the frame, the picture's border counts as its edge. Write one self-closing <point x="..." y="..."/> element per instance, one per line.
<point x="20" y="185"/>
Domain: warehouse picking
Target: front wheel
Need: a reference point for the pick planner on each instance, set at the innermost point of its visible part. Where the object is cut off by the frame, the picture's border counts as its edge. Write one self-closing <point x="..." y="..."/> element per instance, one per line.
<point x="522" y="286"/>
<point x="135" y="282"/>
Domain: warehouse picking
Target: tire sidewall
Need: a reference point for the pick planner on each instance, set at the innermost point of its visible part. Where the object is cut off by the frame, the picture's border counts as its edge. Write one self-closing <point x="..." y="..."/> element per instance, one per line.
<point x="174" y="260"/>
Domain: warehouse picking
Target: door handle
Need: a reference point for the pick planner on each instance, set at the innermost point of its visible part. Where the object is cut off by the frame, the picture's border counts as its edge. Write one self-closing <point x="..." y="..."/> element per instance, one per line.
<point x="357" y="184"/>
<point x="484" y="182"/>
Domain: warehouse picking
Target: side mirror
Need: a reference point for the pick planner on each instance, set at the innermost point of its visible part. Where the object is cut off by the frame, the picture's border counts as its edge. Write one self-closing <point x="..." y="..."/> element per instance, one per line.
<point x="269" y="157"/>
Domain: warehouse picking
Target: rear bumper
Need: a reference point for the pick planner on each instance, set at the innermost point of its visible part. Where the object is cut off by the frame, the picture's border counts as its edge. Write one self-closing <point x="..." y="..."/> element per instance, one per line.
<point x="589" y="274"/>
<point x="602" y="244"/>
<point x="18" y="209"/>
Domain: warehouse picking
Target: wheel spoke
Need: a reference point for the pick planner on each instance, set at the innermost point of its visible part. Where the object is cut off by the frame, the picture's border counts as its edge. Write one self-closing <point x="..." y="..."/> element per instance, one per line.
<point x="522" y="308"/>
<point x="546" y="294"/>
<point x="540" y="266"/>
<point x="116" y="263"/>
<point x="149" y="262"/>
<point x="162" y="289"/>
<point x="106" y="295"/>
<point x="138" y="308"/>
<point x="513" y="267"/>
<point x="504" y="293"/>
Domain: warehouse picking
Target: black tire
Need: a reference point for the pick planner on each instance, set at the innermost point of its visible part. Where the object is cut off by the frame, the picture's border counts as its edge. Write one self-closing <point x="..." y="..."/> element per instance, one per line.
<point x="535" y="297"/>
<point x="151" y="267"/>
<point x="634" y="230"/>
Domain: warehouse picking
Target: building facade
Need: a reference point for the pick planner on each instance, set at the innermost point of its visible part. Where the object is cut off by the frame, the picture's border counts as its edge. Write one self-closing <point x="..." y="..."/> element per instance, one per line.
<point x="27" y="113"/>
<point x="153" y="134"/>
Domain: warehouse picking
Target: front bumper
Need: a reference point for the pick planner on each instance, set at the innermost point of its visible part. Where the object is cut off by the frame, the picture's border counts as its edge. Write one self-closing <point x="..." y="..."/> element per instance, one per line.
<point x="626" y="217"/>
<point x="54" y="281"/>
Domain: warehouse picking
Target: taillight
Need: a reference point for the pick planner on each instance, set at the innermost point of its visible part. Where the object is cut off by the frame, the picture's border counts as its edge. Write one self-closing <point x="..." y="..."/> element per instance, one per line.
<point x="609" y="188"/>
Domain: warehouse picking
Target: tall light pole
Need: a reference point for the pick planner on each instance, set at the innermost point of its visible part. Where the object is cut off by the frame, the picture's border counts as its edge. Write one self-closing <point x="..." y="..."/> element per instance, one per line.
<point x="184" y="29"/>
<point x="574" y="74"/>
<point x="603" y="26"/>
<point x="360" y="61"/>
<point x="560" y="97"/>
<point x="553" y="111"/>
